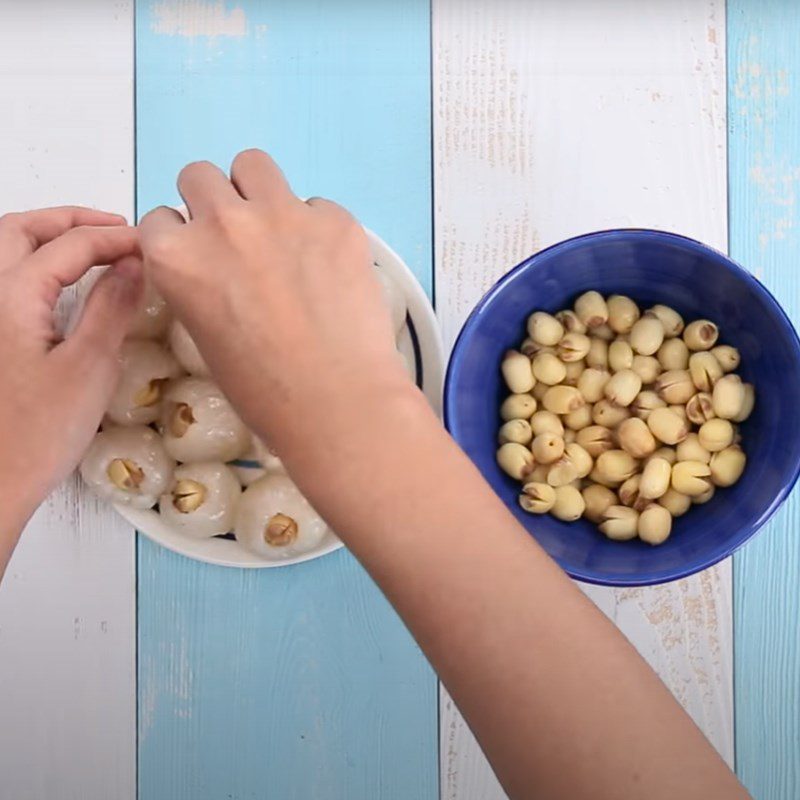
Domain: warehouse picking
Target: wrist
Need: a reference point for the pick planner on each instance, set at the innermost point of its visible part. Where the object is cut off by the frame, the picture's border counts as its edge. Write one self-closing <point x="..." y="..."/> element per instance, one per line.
<point x="356" y="436"/>
<point x="347" y="413"/>
<point x="366" y="462"/>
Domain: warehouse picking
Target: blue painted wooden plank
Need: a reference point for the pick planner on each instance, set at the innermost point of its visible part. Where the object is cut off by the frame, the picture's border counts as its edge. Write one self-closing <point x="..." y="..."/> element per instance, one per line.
<point x="299" y="682"/>
<point x="764" y="165"/>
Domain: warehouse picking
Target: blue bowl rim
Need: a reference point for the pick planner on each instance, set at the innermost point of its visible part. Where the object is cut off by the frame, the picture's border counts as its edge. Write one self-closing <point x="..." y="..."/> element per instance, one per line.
<point x="736" y="541"/>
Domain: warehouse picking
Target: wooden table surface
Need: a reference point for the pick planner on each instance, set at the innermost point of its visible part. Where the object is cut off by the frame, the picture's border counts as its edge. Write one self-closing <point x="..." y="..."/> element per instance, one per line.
<point x="469" y="134"/>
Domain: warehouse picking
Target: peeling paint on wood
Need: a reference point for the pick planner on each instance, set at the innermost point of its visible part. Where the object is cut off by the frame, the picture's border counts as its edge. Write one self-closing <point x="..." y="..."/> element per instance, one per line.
<point x="193" y="18"/>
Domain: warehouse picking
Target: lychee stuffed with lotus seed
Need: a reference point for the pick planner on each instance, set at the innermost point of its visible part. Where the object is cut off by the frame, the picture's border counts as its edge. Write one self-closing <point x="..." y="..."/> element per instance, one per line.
<point x="146" y="369"/>
<point x="202" y="499"/>
<point x="128" y="465"/>
<point x="275" y="521"/>
<point x="199" y="424"/>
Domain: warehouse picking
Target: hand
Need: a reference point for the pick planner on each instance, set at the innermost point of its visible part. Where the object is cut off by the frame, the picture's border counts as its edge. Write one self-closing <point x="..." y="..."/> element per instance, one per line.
<point x="279" y="295"/>
<point x="54" y="392"/>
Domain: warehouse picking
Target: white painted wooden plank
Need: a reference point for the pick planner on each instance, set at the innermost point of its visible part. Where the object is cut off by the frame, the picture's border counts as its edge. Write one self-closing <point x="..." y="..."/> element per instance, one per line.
<point x="552" y="119"/>
<point x="67" y="605"/>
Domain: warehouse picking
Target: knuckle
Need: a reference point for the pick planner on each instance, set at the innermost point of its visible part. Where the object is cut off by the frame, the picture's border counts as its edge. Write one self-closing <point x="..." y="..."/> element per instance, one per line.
<point x="90" y="239"/>
<point x="81" y="240"/>
<point x="234" y="218"/>
<point x="155" y="213"/>
<point x="342" y="224"/>
<point x="11" y="220"/>
<point x="356" y="240"/>
<point x="160" y="216"/>
<point x="337" y="215"/>
<point x="352" y="238"/>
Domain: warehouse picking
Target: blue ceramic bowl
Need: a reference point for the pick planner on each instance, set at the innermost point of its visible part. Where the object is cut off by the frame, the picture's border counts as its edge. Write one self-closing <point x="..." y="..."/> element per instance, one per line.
<point x="651" y="267"/>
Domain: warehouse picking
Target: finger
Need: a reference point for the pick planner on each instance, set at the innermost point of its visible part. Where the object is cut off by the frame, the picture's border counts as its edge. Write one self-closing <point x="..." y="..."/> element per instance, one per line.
<point x="329" y="207"/>
<point x="87" y="363"/>
<point x="161" y="219"/>
<point x="257" y="177"/>
<point x="162" y="247"/>
<point x="205" y="187"/>
<point x="22" y="233"/>
<point x="70" y="256"/>
<point x="336" y="215"/>
<point x="108" y="310"/>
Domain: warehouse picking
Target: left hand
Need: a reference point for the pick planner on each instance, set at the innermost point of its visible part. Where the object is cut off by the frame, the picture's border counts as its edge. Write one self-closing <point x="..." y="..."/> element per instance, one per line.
<point x="54" y="392"/>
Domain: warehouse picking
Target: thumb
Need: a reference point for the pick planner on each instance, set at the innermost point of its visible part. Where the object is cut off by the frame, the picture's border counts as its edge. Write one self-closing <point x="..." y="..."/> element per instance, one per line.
<point x="109" y="309"/>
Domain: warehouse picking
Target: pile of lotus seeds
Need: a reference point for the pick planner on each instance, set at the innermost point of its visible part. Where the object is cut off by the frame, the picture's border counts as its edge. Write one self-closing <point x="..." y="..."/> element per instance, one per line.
<point x="171" y="440"/>
<point x="623" y="417"/>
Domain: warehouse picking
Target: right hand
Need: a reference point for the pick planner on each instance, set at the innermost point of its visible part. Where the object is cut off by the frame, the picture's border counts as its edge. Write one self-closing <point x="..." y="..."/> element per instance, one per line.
<point x="279" y="295"/>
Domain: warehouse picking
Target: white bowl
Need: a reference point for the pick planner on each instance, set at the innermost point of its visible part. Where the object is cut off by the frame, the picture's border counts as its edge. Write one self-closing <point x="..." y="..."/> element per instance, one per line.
<point x="419" y="341"/>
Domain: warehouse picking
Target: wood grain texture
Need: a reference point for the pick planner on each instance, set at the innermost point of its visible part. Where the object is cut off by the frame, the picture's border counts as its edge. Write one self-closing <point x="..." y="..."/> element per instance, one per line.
<point x="67" y="604"/>
<point x="764" y="142"/>
<point x="553" y="119"/>
<point x="299" y="682"/>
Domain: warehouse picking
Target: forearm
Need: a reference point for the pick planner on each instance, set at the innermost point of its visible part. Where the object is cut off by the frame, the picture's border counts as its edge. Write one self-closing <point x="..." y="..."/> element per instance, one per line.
<point x="14" y="514"/>
<point x="544" y="689"/>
